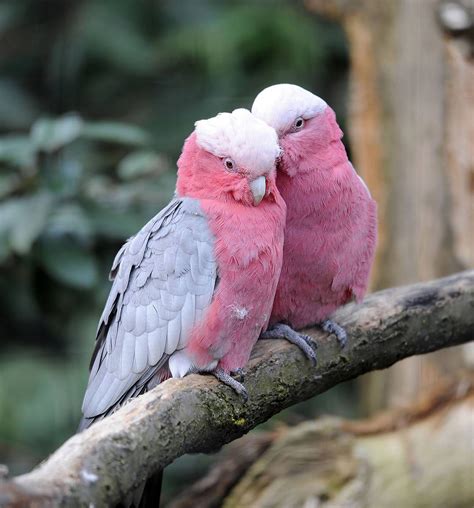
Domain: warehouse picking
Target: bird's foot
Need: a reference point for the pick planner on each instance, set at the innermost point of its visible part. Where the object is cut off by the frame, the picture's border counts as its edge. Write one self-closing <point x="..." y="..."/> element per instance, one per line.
<point x="331" y="327"/>
<point x="228" y="380"/>
<point x="304" y="342"/>
<point x="238" y="374"/>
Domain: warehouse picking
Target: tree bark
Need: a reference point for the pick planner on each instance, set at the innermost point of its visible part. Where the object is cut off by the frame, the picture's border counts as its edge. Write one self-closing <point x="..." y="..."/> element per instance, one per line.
<point x="411" y="130"/>
<point x="235" y="460"/>
<point x="416" y="458"/>
<point x="197" y="414"/>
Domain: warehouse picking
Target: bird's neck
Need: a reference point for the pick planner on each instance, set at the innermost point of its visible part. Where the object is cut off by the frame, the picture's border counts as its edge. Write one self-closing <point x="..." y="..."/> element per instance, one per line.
<point x="325" y="176"/>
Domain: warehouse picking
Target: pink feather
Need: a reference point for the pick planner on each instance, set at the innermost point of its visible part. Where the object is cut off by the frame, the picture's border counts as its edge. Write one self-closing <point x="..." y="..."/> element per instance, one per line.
<point x="331" y="225"/>
<point x="249" y="252"/>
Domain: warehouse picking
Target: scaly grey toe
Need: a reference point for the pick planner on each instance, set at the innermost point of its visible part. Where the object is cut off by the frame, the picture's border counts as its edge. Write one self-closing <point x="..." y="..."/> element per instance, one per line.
<point x="332" y="327"/>
<point x="238" y="374"/>
<point x="304" y="342"/>
<point x="228" y="380"/>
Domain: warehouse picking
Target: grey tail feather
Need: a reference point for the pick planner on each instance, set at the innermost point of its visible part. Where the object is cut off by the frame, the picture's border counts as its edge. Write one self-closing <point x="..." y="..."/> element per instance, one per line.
<point x="151" y="494"/>
<point x="146" y="495"/>
<point x="84" y="424"/>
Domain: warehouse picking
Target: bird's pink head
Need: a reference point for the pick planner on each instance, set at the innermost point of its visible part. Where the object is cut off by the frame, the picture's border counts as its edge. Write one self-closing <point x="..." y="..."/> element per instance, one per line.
<point x="231" y="156"/>
<point x="305" y="124"/>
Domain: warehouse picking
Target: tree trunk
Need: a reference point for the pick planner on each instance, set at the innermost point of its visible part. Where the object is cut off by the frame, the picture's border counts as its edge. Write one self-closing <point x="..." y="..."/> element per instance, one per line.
<point x="418" y="457"/>
<point x="412" y="132"/>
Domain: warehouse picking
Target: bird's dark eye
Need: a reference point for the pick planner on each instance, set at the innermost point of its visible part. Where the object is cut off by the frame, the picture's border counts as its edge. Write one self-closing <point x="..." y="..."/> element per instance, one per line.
<point x="229" y="164"/>
<point x="298" y="124"/>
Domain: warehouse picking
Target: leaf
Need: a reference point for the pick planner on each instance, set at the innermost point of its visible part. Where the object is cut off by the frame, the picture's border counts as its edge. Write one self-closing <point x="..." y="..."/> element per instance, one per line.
<point x="4" y="248"/>
<point x="23" y="219"/>
<point x="69" y="219"/>
<point x="17" y="108"/>
<point x="49" y="135"/>
<point x="43" y="406"/>
<point x="8" y="183"/>
<point x="17" y="151"/>
<point x="115" y="132"/>
<point x="8" y="212"/>
<point x="9" y="14"/>
<point x="30" y="221"/>
<point x="115" y="224"/>
<point x="69" y="263"/>
<point x="141" y="163"/>
<point x="124" y="45"/>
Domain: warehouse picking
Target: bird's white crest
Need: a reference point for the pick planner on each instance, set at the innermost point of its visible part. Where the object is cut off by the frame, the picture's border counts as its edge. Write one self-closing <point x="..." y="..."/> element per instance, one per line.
<point x="250" y="142"/>
<point x="280" y="105"/>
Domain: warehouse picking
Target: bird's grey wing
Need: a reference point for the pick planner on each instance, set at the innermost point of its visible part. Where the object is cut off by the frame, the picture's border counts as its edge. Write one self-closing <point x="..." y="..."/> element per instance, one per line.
<point x="163" y="281"/>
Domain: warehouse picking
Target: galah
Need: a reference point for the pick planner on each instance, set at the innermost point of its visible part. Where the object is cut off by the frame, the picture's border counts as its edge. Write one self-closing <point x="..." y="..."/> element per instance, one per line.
<point x="194" y="288"/>
<point x="331" y="225"/>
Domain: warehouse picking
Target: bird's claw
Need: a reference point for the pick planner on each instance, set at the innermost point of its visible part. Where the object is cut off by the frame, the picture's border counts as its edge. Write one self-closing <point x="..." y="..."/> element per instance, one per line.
<point x="238" y="374"/>
<point x="331" y="327"/>
<point x="304" y="342"/>
<point x="228" y="380"/>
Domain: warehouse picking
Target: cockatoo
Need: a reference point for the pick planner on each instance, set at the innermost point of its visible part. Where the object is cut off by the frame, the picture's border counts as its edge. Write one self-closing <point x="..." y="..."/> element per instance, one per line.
<point x="331" y="225"/>
<point x="194" y="288"/>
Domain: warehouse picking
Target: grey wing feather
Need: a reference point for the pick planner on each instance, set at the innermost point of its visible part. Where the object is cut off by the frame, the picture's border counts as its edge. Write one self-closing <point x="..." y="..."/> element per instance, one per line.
<point x="163" y="281"/>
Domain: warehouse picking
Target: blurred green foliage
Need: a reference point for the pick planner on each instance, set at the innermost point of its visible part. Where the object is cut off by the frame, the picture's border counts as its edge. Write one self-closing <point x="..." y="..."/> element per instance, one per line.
<point x="97" y="97"/>
<point x="71" y="192"/>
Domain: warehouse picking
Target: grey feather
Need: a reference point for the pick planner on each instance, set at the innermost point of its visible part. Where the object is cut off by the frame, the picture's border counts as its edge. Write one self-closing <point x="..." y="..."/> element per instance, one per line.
<point x="177" y="285"/>
<point x="113" y="360"/>
<point x="128" y="318"/>
<point x="187" y="241"/>
<point x="126" y="354"/>
<point x="169" y="258"/>
<point x="187" y="318"/>
<point x="163" y="280"/>
<point x="157" y="344"/>
<point x="140" y="320"/>
<point x="174" y="329"/>
<point x="116" y="263"/>
<point x="165" y="314"/>
<point x="171" y="301"/>
<point x="152" y="318"/>
<point x="140" y="361"/>
<point x="143" y="276"/>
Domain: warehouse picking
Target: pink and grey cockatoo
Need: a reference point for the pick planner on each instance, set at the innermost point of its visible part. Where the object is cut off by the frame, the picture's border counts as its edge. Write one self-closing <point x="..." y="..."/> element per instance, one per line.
<point x="194" y="288"/>
<point x="331" y="225"/>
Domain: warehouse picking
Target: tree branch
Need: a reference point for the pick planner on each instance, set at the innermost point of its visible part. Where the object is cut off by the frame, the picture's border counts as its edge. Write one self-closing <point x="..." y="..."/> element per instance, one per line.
<point x="417" y="456"/>
<point x="197" y="414"/>
<point x="418" y="463"/>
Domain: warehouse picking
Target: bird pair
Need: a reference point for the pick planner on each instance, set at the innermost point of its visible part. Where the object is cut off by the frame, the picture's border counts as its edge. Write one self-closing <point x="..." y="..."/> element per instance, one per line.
<point x="270" y="229"/>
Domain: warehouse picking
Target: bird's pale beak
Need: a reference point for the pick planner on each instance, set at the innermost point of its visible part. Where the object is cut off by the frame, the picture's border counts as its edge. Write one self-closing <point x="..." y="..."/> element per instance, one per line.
<point x="258" y="188"/>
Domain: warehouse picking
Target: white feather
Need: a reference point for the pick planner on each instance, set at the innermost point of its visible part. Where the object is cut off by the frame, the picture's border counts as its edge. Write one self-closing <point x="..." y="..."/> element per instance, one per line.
<point x="250" y="142"/>
<point x="280" y="105"/>
<point x="179" y="364"/>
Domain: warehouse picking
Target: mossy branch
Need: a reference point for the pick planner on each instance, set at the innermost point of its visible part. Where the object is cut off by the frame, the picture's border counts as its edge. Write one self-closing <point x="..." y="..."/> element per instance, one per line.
<point x="197" y="414"/>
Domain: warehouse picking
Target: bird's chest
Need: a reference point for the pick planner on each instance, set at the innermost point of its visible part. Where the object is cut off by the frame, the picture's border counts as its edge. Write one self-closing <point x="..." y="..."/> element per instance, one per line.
<point x="318" y="230"/>
<point x="249" y="241"/>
